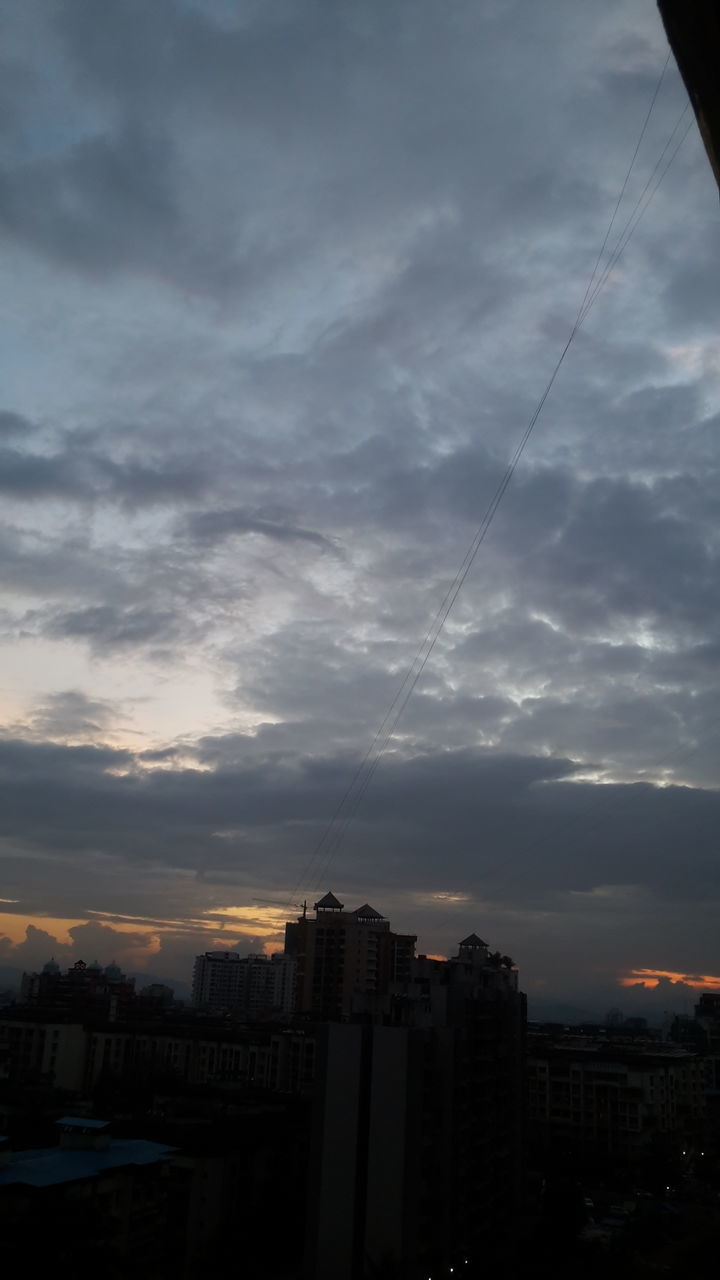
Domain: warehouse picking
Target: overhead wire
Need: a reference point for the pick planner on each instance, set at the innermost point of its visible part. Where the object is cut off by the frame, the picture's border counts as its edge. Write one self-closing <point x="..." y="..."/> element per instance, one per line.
<point x="414" y="674"/>
<point x="336" y="829"/>
<point x="626" y="179"/>
<point x="346" y="808"/>
<point x="639" y="208"/>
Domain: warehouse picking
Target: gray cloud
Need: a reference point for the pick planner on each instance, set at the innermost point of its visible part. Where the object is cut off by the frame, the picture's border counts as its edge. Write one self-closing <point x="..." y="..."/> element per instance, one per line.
<point x="111" y="628"/>
<point x="543" y="862"/>
<point x="71" y="714"/>
<point x="288" y="282"/>
<point x="510" y="822"/>
<point x="13" y="423"/>
<point x="213" y="526"/>
<point x="103" y="205"/>
<point x="77" y="473"/>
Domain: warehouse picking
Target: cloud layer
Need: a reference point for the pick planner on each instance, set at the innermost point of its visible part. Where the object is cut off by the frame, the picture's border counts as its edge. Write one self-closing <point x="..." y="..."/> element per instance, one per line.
<point x="289" y="281"/>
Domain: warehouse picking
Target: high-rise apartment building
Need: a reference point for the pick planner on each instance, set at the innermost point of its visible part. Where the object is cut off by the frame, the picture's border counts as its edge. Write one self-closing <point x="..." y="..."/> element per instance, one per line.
<point x="218" y="979"/>
<point x="345" y="954"/>
<point x="253" y="985"/>
<point x="416" y="1145"/>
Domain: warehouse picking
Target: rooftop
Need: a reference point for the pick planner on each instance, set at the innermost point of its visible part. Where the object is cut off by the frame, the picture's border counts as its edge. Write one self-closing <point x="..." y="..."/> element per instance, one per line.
<point x="367" y="913"/>
<point x="329" y="903"/>
<point x="54" y="1165"/>
<point x="82" y="1122"/>
<point x="473" y="941"/>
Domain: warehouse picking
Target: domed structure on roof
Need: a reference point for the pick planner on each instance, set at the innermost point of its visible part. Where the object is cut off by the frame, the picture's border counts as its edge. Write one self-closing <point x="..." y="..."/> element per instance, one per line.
<point x="113" y="972"/>
<point x="95" y="967"/>
<point x="51" y="966"/>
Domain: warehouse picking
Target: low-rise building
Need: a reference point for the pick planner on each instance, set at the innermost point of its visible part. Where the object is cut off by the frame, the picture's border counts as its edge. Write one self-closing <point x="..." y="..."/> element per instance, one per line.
<point x="611" y="1101"/>
<point x="90" y="1202"/>
<point x="194" y="1050"/>
<point x="35" y="1050"/>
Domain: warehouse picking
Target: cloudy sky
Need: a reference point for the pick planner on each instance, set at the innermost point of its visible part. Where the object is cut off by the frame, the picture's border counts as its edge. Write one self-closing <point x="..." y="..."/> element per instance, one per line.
<point x="283" y="283"/>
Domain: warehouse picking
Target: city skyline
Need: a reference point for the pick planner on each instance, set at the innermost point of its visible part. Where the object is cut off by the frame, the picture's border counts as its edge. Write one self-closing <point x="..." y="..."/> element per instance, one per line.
<point x="287" y="289"/>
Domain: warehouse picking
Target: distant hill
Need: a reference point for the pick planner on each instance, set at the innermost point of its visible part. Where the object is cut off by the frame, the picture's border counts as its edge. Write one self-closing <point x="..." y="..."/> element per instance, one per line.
<point x="143" y="979"/>
<point x="545" y="1010"/>
<point x="10" y="977"/>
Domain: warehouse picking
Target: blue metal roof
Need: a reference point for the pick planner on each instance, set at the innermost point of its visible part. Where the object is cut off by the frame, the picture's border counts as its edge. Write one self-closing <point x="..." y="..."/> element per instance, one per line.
<point x="54" y="1165"/>
<point x="82" y="1122"/>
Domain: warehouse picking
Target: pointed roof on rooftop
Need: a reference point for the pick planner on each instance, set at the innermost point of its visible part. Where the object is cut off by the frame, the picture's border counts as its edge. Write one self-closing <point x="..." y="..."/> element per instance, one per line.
<point x="472" y="941"/>
<point x="368" y="913"/>
<point x="329" y="903"/>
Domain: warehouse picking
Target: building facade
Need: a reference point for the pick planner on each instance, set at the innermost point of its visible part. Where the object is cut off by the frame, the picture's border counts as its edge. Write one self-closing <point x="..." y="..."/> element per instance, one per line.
<point x="416" y="1145"/>
<point x="342" y="954"/>
<point x="195" y="1051"/>
<point x="612" y="1103"/>
<point x="88" y="1206"/>
<point x="253" y="985"/>
<point x="34" y="1051"/>
<point x="82" y="990"/>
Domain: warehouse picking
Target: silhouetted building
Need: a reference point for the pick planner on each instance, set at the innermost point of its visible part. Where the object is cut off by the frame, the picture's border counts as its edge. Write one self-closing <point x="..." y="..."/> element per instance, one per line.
<point x="693" y="30"/>
<point x="416" y="1149"/>
<point x="341" y="954"/>
<point x="613" y="1103"/>
<point x="158" y="995"/>
<point x="82" y="990"/>
<point x="185" y="1049"/>
<point x="707" y="1017"/>
<point x="238" y="1168"/>
<point x="35" y="1050"/>
<point x="88" y="1204"/>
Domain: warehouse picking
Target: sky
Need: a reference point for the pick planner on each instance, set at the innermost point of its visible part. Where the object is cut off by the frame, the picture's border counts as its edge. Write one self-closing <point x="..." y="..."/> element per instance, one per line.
<point x="283" y="284"/>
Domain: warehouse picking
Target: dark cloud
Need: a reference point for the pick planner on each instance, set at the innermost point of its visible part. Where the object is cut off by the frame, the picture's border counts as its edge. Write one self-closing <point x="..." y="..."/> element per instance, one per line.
<point x="104" y="205"/>
<point x="77" y="473"/>
<point x="213" y="526"/>
<point x="71" y="714"/>
<point x="288" y="283"/>
<point x="109" y="628"/>
<point x="511" y="823"/>
<point x="546" y="861"/>
<point x="12" y="424"/>
<point x="27" y="475"/>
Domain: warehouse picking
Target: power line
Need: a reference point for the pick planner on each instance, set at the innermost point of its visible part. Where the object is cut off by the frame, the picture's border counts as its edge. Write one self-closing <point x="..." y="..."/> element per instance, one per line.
<point x="640" y="206"/>
<point x="626" y="179"/>
<point x="414" y="674"/>
<point x="345" y="810"/>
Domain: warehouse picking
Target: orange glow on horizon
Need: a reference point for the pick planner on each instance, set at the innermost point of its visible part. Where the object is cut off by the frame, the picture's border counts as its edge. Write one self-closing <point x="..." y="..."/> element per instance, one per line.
<point x="652" y="977"/>
<point x="223" y="927"/>
<point x="15" y="926"/>
<point x="264" y="922"/>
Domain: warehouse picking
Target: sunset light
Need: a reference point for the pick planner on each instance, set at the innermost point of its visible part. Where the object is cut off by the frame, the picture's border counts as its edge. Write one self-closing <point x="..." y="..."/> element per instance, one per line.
<point x="652" y="978"/>
<point x="359" y="618"/>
